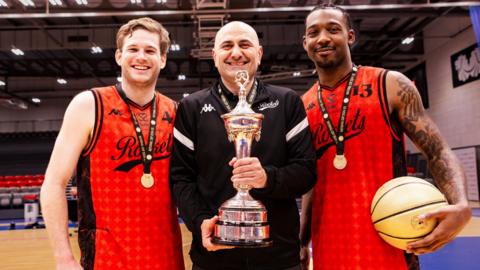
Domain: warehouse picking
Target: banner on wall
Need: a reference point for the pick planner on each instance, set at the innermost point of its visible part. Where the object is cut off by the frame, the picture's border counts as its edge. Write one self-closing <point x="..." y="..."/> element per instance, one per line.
<point x="475" y="17"/>
<point x="465" y="65"/>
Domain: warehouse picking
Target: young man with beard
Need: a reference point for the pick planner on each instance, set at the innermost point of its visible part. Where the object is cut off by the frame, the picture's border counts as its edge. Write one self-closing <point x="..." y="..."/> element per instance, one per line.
<point x="119" y="138"/>
<point x="358" y="116"/>
<point x="282" y="166"/>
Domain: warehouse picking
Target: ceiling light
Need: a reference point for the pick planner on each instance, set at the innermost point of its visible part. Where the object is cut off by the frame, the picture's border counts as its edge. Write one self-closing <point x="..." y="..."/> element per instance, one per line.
<point x="186" y="94"/>
<point x="36" y="100"/>
<point x="2" y="83"/>
<point x="27" y="3"/>
<point x="55" y="2"/>
<point x="408" y="40"/>
<point x="61" y="81"/>
<point x="96" y="49"/>
<point x="182" y="77"/>
<point x="119" y="79"/>
<point x="3" y="4"/>
<point x="174" y="47"/>
<point x="161" y="1"/>
<point x="136" y="1"/>
<point x="17" y="51"/>
<point x="296" y="73"/>
<point x="81" y="2"/>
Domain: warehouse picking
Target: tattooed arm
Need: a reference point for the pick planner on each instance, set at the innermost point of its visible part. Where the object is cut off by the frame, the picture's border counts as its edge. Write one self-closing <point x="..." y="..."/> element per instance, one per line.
<point x="406" y="105"/>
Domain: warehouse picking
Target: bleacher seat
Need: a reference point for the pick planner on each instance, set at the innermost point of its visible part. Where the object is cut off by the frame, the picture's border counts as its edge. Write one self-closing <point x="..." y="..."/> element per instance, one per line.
<point x="17" y="199"/>
<point x="5" y="200"/>
<point x="29" y="197"/>
<point x="13" y="189"/>
<point x="31" y="190"/>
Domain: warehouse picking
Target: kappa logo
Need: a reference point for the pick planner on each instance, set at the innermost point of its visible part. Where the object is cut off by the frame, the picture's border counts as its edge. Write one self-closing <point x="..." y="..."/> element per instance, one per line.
<point x="310" y="106"/>
<point x="268" y="105"/>
<point x="207" y="108"/>
<point x="167" y="117"/>
<point x="115" y="112"/>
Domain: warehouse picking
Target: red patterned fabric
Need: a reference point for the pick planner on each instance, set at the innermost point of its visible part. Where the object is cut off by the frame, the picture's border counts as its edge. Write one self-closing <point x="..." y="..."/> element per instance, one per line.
<point x="132" y="227"/>
<point x="343" y="236"/>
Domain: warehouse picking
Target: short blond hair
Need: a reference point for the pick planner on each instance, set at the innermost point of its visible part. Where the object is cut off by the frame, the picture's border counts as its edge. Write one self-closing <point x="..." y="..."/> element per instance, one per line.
<point x="147" y="24"/>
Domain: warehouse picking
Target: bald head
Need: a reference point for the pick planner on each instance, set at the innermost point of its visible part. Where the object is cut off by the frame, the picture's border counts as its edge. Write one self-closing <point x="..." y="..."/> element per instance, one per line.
<point x="236" y="28"/>
<point x="236" y="49"/>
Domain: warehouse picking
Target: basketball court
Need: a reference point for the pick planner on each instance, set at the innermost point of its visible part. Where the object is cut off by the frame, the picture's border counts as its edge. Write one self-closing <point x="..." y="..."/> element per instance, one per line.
<point x="25" y="249"/>
<point x="50" y="51"/>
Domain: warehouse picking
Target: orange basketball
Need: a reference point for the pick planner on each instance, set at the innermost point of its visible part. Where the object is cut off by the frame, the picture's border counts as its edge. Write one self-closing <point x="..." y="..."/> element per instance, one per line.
<point x="396" y="206"/>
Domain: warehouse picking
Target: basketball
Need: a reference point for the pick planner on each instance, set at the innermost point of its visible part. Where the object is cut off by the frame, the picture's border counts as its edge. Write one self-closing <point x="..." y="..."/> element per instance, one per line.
<point x="396" y="206"/>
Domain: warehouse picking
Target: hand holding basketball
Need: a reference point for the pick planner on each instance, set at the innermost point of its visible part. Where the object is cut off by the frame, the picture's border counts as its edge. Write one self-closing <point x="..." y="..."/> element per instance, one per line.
<point x="398" y="210"/>
<point x="448" y="218"/>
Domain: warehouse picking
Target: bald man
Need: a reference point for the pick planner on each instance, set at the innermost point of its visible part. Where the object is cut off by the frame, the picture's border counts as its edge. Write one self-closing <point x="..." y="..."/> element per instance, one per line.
<point x="202" y="169"/>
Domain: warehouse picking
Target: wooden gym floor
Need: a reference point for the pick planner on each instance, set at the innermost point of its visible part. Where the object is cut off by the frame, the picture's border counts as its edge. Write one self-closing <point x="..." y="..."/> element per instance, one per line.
<point x="29" y="249"/>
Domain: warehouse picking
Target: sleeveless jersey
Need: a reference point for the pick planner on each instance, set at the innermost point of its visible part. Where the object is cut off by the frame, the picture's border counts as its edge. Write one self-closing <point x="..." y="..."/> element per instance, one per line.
<point x="123" y="225"/>
<point x="343" y="236"/>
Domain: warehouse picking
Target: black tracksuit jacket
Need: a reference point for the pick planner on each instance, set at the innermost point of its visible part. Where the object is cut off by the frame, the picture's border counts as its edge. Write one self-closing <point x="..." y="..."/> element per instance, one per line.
<point x="200" y="174"/>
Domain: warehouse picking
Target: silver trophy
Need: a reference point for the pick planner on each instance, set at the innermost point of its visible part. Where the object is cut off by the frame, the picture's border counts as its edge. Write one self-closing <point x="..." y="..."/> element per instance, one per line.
<point x="242" y="219"/>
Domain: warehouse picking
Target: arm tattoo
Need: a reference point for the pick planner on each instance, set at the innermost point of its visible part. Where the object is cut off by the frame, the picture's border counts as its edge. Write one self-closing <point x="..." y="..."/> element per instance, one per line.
<point x="442" y="162"/>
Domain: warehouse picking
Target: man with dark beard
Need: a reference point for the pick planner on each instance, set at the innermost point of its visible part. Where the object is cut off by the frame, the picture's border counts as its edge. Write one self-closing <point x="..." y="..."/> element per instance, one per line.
<point x="358" y="116"/>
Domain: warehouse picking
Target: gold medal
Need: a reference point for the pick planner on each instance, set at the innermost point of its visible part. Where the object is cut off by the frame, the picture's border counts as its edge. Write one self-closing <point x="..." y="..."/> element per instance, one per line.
<point x="147" y="180"/>
<point x="338" y="137"/>
<point x="339" y="162"/>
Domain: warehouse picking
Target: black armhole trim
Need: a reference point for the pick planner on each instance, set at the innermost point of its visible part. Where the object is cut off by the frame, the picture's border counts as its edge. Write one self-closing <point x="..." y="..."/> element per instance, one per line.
<point x="382" y="96"/>
<point x="87" y="220"/>
<point x="399" y="158"/>
<point x="98" y="123"/>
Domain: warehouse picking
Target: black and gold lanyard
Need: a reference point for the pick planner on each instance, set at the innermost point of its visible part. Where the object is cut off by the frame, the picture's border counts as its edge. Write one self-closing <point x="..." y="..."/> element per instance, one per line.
<point x="339" y="162"/>
<point x="147" y="179"/>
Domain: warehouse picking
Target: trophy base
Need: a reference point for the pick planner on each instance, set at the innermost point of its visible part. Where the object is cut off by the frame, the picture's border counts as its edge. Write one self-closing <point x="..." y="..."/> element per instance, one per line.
<point x="242" y="234"/>
<point x="243" y="243"/>
<point x="242" y="222"/>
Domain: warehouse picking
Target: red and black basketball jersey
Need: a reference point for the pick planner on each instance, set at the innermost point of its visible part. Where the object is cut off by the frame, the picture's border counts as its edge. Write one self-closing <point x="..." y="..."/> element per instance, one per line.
<point x="343" y="236"/>
<point x="123" y="225"/>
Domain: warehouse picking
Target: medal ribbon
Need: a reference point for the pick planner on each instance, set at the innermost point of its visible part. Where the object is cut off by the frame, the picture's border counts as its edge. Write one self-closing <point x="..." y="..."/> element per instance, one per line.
<point x="250" y="98"/>
<point x="147" y="156"/>
<point x="338" y="137"/>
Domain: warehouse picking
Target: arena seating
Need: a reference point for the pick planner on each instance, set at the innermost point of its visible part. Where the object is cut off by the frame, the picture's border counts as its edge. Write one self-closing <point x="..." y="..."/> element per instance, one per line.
<point x="16" y="189"/>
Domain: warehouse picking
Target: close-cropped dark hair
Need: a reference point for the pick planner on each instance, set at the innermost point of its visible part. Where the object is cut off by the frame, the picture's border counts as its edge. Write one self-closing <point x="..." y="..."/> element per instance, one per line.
<point x="332" y="6"/>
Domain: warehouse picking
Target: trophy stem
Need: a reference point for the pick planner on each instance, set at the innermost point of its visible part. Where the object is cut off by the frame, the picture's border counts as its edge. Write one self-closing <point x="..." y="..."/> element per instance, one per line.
<point x="242" y="95"/>
<point x="242" y="147"/>
<point x="243" y="195"/>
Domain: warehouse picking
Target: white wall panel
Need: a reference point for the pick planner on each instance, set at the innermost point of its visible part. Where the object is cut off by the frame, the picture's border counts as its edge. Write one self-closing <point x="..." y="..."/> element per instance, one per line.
<point x="456" y="111"/>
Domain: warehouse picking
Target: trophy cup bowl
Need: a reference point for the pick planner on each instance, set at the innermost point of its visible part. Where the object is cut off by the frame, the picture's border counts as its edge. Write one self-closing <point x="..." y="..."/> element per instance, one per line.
<point x="242" y="220"/>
